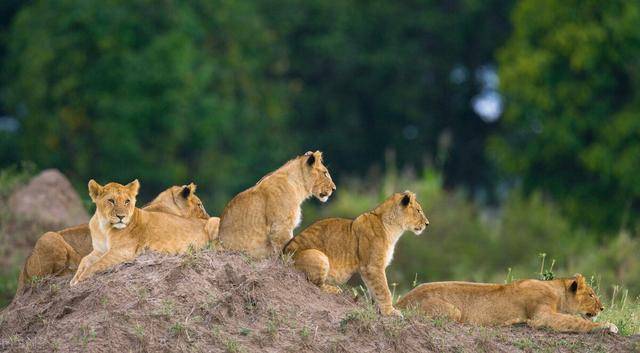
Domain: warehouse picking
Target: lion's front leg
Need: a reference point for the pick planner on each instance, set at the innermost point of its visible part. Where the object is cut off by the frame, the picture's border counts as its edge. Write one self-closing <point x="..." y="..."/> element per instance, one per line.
<point x="84" y="264"/>
<point x="376" y="280"/>
<point x="107" y="260"/>
<point x="279" y="237"/>
<point x="567" y="323"/>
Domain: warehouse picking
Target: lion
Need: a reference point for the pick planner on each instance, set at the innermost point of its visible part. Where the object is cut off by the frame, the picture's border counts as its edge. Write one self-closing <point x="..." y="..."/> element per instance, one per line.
<point x="332" y="250"/>
<point x="59" y="253"/>
<point x="261" y="219"/>
<point x="552" y="304"/>
<point x="120" y="231"/>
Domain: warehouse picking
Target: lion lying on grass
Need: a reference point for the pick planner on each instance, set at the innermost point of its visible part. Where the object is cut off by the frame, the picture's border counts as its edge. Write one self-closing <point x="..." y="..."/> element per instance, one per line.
<point x="552" y="304"/>
<point x="59" y="253"/>
<point x="120" y="231"/>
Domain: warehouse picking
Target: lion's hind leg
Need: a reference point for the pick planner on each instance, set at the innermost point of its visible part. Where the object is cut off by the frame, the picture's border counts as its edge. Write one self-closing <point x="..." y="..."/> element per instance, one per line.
<point x="436" y="307"/>
<point x="315" y="264"/>
<point x="51" y="256"/>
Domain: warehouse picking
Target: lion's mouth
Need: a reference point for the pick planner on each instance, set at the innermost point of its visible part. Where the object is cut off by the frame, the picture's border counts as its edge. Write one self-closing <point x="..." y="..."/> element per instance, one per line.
<point x="119" y="225"/>
<point x="418" y="230"/>
<point x="323" y="196"/>
<point x="590" y="316"/>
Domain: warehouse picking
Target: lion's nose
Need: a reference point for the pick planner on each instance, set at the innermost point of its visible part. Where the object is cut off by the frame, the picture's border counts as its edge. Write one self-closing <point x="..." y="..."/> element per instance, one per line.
<point x="602" y="308"/>
<point x="426" y="222"/>
<point x="120" y="217"/>
<point x="333" y="188"/>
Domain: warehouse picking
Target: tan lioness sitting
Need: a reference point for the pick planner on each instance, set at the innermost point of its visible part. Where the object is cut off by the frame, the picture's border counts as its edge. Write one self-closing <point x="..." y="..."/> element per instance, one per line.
<point x="59" y="253"/>
<point x="260" y="220"/>
<point x="552" y="304"/>
<point x="332" y="250"/>
<point x="120" y="231"/>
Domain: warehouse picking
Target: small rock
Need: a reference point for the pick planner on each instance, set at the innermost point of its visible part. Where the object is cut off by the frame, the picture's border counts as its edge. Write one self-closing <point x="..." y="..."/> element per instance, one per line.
<point x="48" y="199"/>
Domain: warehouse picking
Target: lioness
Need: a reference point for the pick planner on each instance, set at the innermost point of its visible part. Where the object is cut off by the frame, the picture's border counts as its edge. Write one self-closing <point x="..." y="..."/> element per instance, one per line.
<point x="552" y="304"/>
<point x="59" y="253"/>
<point x="120" y="231"/>
<point x="332" y="250"/>
<point x="260" y="220"/>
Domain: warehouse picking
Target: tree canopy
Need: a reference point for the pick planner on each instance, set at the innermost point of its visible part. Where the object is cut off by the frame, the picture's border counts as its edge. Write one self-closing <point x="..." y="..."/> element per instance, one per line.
<point x="570" y="79"/>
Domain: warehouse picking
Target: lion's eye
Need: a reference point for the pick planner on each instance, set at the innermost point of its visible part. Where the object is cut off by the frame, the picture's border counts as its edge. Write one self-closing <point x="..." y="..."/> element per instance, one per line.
<point x="112" y="201"/>
<point x="126" y="202"/>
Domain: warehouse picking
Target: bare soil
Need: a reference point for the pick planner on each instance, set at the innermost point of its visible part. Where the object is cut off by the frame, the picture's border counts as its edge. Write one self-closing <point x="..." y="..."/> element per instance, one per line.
<point x="225" y="302"/>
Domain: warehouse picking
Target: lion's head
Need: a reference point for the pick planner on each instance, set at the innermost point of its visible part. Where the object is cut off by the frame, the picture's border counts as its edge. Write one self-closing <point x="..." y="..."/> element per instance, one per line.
<point x="317" y="175"/>
<point x="581" y="298"/>
<point x="115" y="203"/>
<point x="403" y="209"/>
<point x="180" y="201"/>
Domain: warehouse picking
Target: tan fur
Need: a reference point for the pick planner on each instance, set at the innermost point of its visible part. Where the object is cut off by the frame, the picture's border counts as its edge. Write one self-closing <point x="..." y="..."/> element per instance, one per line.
<point x="552" y="304"/>
<point x="59" y="253"/>
<point x="120" y="231"/>
<point x="260" y="220"/>
<point x="330" y="251"/>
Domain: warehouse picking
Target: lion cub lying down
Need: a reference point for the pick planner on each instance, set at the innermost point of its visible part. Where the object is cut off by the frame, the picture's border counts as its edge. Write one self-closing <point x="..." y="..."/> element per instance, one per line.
<point x="552" y="304"/>
<point x="332" y="250"/>
<point x="59" y="253"/>
<point x="120" y="231"/>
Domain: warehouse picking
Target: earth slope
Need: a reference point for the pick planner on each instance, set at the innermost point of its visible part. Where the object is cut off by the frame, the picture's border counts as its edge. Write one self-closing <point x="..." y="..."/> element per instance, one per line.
<point x="226" y="302"/>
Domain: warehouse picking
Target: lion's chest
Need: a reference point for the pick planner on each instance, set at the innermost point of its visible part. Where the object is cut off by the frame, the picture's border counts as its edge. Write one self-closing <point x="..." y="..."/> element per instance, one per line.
<point x="390" y="249"/>
<point x="100" y="241"/>
<point x="297" y="217"/>
<point x="101" y="245"/>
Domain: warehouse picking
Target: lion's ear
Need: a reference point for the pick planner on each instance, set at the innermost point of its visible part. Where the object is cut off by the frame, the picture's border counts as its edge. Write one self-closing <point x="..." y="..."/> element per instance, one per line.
<point x="94" y="190"/>
<point x="580" y="279"/>
<point x="405" y="200"/>
<point x="187" y="190"/>
<point x="311" y="159"/>
<point x="133" y="186"/>
<point x="573" y="287"/>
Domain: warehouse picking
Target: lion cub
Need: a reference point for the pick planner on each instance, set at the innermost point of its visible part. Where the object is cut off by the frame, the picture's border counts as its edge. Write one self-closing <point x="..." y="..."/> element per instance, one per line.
<point x="332" y="250"/>
<point x="120" y="231"/>
<point x="59" y="253"/>
<point x="551" y="304"/>
<point x="260" y="220"/>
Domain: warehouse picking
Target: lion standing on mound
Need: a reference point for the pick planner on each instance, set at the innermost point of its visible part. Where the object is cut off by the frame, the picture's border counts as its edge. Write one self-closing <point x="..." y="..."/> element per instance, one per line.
<point x="552" y="304"/>
<point x="59" y="253"/>
<point x="260" y="220"/>
<point x="120" y="231"/>
<point x="333" y="249"/>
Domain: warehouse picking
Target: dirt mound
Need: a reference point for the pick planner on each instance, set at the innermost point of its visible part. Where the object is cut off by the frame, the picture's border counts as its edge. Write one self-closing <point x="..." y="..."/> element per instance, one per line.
<point x="224" y="302"/>
<point x="50" y="200"/>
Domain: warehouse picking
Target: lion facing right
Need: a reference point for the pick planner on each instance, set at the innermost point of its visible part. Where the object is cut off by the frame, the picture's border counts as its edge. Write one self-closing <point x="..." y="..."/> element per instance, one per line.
<point x="552" y="304"/>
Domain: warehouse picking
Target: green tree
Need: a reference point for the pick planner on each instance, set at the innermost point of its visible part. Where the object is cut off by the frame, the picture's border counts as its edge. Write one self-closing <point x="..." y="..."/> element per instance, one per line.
<point x="369" y="76"/>
<point x="570" y="75"/>
<point x="162" y="91"/>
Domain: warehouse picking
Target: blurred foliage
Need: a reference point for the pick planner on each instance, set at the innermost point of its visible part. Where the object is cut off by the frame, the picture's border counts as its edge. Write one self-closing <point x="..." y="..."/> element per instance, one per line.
<point x="166" y="92"/>
<point x="12" y="236"/>
<point x="223" y="91"/>
<point x="570" y="74"/>
<point x="369" y="76"/>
